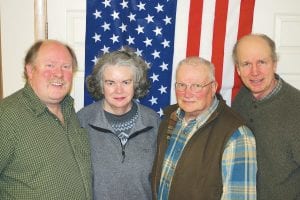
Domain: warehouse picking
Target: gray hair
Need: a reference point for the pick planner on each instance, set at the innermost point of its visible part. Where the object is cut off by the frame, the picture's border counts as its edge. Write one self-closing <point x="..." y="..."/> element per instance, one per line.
<point x="266" y="38"/>
<point x="195" y="61"/>
<point x="123" y="57"/>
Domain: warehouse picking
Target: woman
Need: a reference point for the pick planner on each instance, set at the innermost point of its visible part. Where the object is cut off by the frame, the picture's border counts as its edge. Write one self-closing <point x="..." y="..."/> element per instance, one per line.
<point x="122" y="132"/>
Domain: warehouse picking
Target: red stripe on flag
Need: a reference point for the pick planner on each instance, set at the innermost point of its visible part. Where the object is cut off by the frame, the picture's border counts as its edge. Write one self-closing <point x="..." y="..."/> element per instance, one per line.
<point x="245" y="27"/>
<point x="194" y="27"/>
<point x="218" y="42"/>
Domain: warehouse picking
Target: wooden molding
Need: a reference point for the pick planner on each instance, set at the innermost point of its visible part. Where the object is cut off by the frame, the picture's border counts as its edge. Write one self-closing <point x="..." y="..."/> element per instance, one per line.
<point x="40" y="19"/>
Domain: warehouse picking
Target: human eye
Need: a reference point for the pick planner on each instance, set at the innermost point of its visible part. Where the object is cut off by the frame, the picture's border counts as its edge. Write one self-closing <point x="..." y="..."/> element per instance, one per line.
<point x="127" y="82"/>
<point x="180" y="85"/>
<point x="109" y="83"/>
<point x="245" y="64"/>
<point x="196" y="87"/>
<point x="261" y="62"/>
<point x="49" y="65"/>
<point x="67" y="66"/>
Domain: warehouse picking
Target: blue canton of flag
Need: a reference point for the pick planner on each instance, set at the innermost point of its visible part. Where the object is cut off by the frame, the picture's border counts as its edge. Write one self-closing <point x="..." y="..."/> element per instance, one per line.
<point x="145" y="25"/>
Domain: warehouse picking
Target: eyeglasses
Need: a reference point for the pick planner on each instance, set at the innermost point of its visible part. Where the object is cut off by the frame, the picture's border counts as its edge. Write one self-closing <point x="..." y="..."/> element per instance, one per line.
<point x="196" y="87"/>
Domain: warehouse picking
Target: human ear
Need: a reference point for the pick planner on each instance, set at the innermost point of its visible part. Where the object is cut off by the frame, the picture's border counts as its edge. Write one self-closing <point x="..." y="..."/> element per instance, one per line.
<point x="29" y="70"/>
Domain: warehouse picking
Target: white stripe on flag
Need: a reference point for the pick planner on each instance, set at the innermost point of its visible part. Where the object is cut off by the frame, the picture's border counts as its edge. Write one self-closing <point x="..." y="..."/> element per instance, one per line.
<point x="230" y="38"/>
<point x="207" y="28"/>
<point x="206" y="39"/>
<point x="180" y="40"/>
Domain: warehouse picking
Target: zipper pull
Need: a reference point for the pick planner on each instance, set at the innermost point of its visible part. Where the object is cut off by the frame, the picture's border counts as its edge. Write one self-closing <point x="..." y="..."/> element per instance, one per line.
<point x="123" y="153"/>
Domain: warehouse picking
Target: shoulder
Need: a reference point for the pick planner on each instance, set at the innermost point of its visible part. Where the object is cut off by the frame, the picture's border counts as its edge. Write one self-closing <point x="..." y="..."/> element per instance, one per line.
<point x="243" y="131"/>
<point x="243" y="93"/>
<point x="89" y="110"/>
<point x="287" y="100"/>
<point x="170" y="109"/>
<point x="229" y="114"/>
<point x="11" y="104"/>
<point x="243" y="135"/>
<point x="147" y="113"/>
<point x="291" y="90"/>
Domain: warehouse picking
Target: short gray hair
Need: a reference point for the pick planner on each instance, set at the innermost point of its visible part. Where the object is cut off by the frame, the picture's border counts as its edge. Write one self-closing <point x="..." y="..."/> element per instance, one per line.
<point x="123" y="57"/>
<point x="194" y="60"/>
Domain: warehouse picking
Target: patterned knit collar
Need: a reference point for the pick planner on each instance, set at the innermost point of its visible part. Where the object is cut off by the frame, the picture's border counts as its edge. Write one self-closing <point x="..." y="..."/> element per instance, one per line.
<point x="123" y="123"/>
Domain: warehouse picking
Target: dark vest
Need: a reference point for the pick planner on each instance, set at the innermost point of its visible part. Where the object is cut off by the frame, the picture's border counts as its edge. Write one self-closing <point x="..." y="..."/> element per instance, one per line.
<point x="198" y="174"/>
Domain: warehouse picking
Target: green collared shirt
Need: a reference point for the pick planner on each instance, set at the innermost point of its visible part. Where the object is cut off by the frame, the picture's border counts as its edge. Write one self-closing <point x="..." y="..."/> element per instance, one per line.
<point x="40" y="158"/>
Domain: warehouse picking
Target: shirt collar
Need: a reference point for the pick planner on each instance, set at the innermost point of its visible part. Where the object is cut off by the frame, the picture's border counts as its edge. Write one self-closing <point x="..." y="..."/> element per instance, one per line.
<point x="203" y="117"/>
<point x="275" y="90"/>
<point x="33" y="102"/>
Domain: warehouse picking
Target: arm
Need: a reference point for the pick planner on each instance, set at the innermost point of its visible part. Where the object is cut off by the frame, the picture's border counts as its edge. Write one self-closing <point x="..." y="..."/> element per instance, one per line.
<point x="239" y="166"/>
<point x="6" y="148"/>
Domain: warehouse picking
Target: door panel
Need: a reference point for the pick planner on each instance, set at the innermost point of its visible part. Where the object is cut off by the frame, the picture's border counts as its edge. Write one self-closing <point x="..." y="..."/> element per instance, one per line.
<point x="281" y="21"/>
<point x="66" y="22"/>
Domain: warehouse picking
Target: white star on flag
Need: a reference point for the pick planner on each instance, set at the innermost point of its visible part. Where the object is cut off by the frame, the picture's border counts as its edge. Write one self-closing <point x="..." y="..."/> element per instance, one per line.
<point x="162" y="89"/>
<point x="153" y="100"/>
<point x="164" y="66"/>
<point x="96" y="37"/>
<point x="155" y="54"/>
<point x="154" y="77"/>
<point x="97" y="14"/>
<point x="165" y="32"/>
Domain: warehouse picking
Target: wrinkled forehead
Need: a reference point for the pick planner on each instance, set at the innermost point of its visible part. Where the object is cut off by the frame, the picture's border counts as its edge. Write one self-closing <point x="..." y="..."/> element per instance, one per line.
<point x="250" y="48"/>
<point x="117" y="71"/>
<point x="250" y="42"/>
<point x="52" y="51"/>
<point x="193" y="73"/>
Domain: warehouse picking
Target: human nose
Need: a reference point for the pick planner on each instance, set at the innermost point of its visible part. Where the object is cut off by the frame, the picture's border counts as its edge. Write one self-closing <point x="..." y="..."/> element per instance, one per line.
<point x="58" y="71"/>
<point x="188" y="91"/>
<point x="119" y="87"/>
<point x="254" y="69"/>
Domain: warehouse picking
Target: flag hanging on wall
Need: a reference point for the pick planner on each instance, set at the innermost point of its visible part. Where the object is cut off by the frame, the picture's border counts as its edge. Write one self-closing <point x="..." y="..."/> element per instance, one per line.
<point x="164" y="32"/>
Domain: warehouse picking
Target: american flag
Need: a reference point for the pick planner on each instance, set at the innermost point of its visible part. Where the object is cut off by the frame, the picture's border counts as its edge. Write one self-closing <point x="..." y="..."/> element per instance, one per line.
<point x="165" y="31"/>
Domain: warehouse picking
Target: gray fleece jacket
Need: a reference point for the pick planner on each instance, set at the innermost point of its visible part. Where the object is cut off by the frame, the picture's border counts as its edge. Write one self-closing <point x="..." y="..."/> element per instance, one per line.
<point x="112" y="178"/>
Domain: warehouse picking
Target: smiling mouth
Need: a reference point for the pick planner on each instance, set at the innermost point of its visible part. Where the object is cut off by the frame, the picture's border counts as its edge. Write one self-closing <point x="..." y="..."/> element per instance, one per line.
<point x="256" y="81"/>
<point x="57" y="83"/>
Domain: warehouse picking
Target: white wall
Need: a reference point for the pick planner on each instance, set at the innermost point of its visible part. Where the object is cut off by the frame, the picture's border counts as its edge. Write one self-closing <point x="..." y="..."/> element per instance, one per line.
<point x="17" y="34"/>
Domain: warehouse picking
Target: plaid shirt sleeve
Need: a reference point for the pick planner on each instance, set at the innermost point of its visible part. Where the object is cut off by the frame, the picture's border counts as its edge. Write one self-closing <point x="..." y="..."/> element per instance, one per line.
<point x="239" y="166"/>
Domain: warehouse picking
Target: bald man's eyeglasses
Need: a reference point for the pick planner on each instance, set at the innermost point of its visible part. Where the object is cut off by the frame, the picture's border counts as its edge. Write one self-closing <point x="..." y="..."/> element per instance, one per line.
<point x="195" y="87"/>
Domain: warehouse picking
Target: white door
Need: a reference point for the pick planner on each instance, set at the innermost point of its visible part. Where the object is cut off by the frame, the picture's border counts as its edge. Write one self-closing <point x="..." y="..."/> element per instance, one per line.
<point x="277" y="18"/>
<point x="281" y="20"/>
<point x="66" y="22"/>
